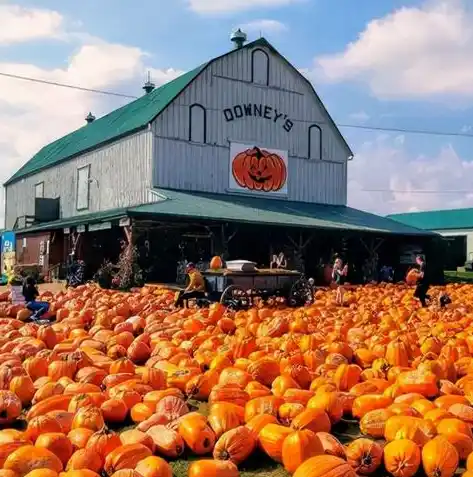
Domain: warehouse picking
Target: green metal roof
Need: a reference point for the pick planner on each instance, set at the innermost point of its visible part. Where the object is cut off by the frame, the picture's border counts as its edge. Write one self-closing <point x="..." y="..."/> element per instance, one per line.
<point x="132" y="117"/>
<point x="256" y="210"/>
<point x="121" y="122"/>
<point x="92" y="218"/>
<point x="453" y="219"/>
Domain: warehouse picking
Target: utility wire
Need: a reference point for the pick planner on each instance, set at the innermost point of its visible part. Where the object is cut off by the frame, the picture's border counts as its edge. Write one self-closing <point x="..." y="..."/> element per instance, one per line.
<point x="352" y="126"/>
<point x="394" y="191"/>
<point x="70" y="86"/>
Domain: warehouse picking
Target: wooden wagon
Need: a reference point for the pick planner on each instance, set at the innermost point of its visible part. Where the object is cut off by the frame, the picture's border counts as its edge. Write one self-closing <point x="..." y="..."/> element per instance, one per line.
<point x="240" y="289"/>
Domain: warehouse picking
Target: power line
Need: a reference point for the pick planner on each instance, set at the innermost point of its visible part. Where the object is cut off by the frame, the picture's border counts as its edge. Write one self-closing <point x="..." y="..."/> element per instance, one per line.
<point x="352" y="126"/>
<point x="70" y="86"/>
<point x="394" y="191"/>
<point x="406" y="130"/>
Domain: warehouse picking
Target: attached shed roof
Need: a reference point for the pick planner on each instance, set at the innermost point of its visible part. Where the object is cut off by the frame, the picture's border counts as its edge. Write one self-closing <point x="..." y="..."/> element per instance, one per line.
<point x="131" y="118"/>
<point x="256" y="210"/>
<point x="244" y="209"/>
<point x="453" y="219"/>
<point x="92" y="218"/>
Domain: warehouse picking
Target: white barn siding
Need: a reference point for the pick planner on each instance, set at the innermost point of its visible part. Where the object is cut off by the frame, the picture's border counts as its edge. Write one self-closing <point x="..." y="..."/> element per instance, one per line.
<point x="228" y="82"/>
<point x="120" y="176"/>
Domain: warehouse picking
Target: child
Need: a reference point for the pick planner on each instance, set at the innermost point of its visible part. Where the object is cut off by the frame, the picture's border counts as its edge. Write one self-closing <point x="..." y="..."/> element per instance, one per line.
<point x="338" y="276"/>
<point x="30" y="292"/>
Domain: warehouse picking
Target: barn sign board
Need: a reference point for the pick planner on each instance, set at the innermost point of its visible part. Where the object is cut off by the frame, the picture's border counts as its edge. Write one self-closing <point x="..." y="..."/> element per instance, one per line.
<point x="255" y="169"/>
<point x="254" y="110"/>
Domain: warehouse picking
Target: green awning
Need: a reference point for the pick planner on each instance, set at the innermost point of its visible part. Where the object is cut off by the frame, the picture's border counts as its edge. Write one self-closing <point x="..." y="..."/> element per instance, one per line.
<point x="256" y="210"/>
<point x="83" y="219"/>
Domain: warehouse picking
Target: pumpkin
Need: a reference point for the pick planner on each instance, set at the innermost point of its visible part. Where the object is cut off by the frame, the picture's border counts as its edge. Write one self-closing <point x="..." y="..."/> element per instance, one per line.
<point x="225" y="416"/>
<point x="125" y="457"/>
<point x="298" y="447"/>
<point x="153" y="466"/>
<point x="402" y="458"/>
<point x="216" y="263"/>
<point x="331" y="445"/>
<point x="103" y="442"/>
<point x="260" y="170"/>
<point x="364" y="456"/>
<point x="439" y="458"/>
<point x="90" y="417"/>
<point x="28" y="458"/>
<point x="85" y="459"/>
<point x="235" y="445"/>
<point x="167" y="442"/>
<point x="198" y="436"/>
<point x="10" y="407"/>
<point x="271" y="439"/>
<point x="135" y="436"/>
<point x="258" y="422"/>
<point x="315" y="420"/>
<point x="57" y="443"/>
<point x="80" y="437"/>
<point x="213" y="468"/>
<point x="324" y="466"/>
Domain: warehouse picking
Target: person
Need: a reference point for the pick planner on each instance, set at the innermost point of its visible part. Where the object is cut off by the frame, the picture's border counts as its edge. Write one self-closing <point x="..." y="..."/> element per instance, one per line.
<point x="282" y="262"/>
<point x="422" y="287"/>
<point x="339" y="273"/>
<point x="386" y="274"/>
<point x="278" y="261"/>
<point x="76" y="274"/>
<point x="31" y="293"/>
<point x="196" y="287"/>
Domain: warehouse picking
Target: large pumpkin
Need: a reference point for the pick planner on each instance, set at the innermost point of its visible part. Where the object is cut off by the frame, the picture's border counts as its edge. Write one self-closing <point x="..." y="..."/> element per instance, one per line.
<point x="258" y="169"/>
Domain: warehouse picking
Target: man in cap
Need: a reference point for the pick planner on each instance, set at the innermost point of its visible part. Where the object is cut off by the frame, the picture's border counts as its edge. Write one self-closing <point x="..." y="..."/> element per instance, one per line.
<point x="196" y="287"/>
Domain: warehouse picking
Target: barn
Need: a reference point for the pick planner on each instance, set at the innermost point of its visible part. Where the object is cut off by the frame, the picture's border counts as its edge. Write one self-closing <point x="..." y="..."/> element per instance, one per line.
<point x="237" y="157"/>
<point x="454" y="225"/>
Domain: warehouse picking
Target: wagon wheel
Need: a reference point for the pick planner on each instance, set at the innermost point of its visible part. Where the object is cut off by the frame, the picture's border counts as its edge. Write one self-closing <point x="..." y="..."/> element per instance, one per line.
<point x="235" y="297"/>
<point x="301" y="293"/>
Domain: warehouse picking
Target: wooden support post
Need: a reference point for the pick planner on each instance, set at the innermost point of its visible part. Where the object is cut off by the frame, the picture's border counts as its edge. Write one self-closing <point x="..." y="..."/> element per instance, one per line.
<point x="299" y="248"/>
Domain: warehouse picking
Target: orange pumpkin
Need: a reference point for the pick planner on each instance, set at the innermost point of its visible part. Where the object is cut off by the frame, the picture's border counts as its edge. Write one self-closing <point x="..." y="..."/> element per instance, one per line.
<point x="125" y="457"/>
<point x="364" y="456"/>
<point x="216" y="263"/>
<point x="298" y="447"/>
<point x="324" y="465"/>
<point x="402" y="458"/>
<point x="153" y="466"/>
<point x="235" y="445"/>
<point x="271" y="439"/>
<point x="439" y="458"/>
<point x="213" y="468"/>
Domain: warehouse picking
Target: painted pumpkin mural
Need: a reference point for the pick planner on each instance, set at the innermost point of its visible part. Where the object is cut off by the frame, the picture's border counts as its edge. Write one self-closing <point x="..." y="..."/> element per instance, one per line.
<point x="260" y="170"/>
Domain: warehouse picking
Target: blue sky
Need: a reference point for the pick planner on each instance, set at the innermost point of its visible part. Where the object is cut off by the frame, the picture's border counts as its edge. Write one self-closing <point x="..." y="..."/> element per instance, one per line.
<point x="384" y="63"/>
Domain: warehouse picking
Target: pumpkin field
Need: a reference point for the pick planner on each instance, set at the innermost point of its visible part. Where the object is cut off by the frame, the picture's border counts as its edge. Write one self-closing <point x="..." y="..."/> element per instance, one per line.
<point x="124" y="385"/>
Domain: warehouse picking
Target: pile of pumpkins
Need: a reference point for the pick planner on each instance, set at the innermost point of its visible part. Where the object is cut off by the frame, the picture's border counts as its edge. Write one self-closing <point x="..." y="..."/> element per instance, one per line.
<point x="276" y="380"/>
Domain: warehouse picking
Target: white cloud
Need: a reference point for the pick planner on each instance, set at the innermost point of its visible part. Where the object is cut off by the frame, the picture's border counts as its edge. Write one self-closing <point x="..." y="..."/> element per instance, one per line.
<point x="33" y="114"/>
<point x="233" y="6"/>
<point x="360" y="116"/>
<point x="384" y="165"/>
<point x="413" y="52"/>
<point x="19" y="24"/>
<point x="264" y="26"/>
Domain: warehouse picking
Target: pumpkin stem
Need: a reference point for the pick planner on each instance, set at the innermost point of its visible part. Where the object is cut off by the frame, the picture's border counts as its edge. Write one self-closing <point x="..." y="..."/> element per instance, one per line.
<point x="206" y="442"/>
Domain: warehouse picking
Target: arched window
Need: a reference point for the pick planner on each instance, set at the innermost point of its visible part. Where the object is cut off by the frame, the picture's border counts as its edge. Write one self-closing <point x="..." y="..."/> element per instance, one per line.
<point x="197" y="123"/>
<point x="315" y="142"/>
<point x="260" y="67"/>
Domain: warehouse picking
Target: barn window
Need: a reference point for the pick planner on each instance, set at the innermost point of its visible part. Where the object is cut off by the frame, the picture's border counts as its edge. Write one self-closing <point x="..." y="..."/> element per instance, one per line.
<point x="315" y="142"/>
<point x="197" y="123"/>
<point x="83" y="188"/>
<point x="259" y="67"/>
<point x="39" y="190"/>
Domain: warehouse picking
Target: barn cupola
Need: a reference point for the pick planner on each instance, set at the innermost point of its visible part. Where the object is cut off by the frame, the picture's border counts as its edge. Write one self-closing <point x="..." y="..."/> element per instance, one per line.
<point x="238" y="38"/>
<point x="149" y="86"/>
<point x="90" y="118"/>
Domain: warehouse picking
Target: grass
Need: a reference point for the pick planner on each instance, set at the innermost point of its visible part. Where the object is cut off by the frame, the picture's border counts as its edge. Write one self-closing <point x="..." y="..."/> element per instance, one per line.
<point x="453" y="276"/>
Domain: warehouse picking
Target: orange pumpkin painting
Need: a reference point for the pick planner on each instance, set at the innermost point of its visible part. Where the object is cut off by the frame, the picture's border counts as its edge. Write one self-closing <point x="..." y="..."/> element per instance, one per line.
<point x="259" y="170"/>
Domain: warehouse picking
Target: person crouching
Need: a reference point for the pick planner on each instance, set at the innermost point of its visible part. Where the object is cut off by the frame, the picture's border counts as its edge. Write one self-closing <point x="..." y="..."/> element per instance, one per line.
<point x="195" y="289"/>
